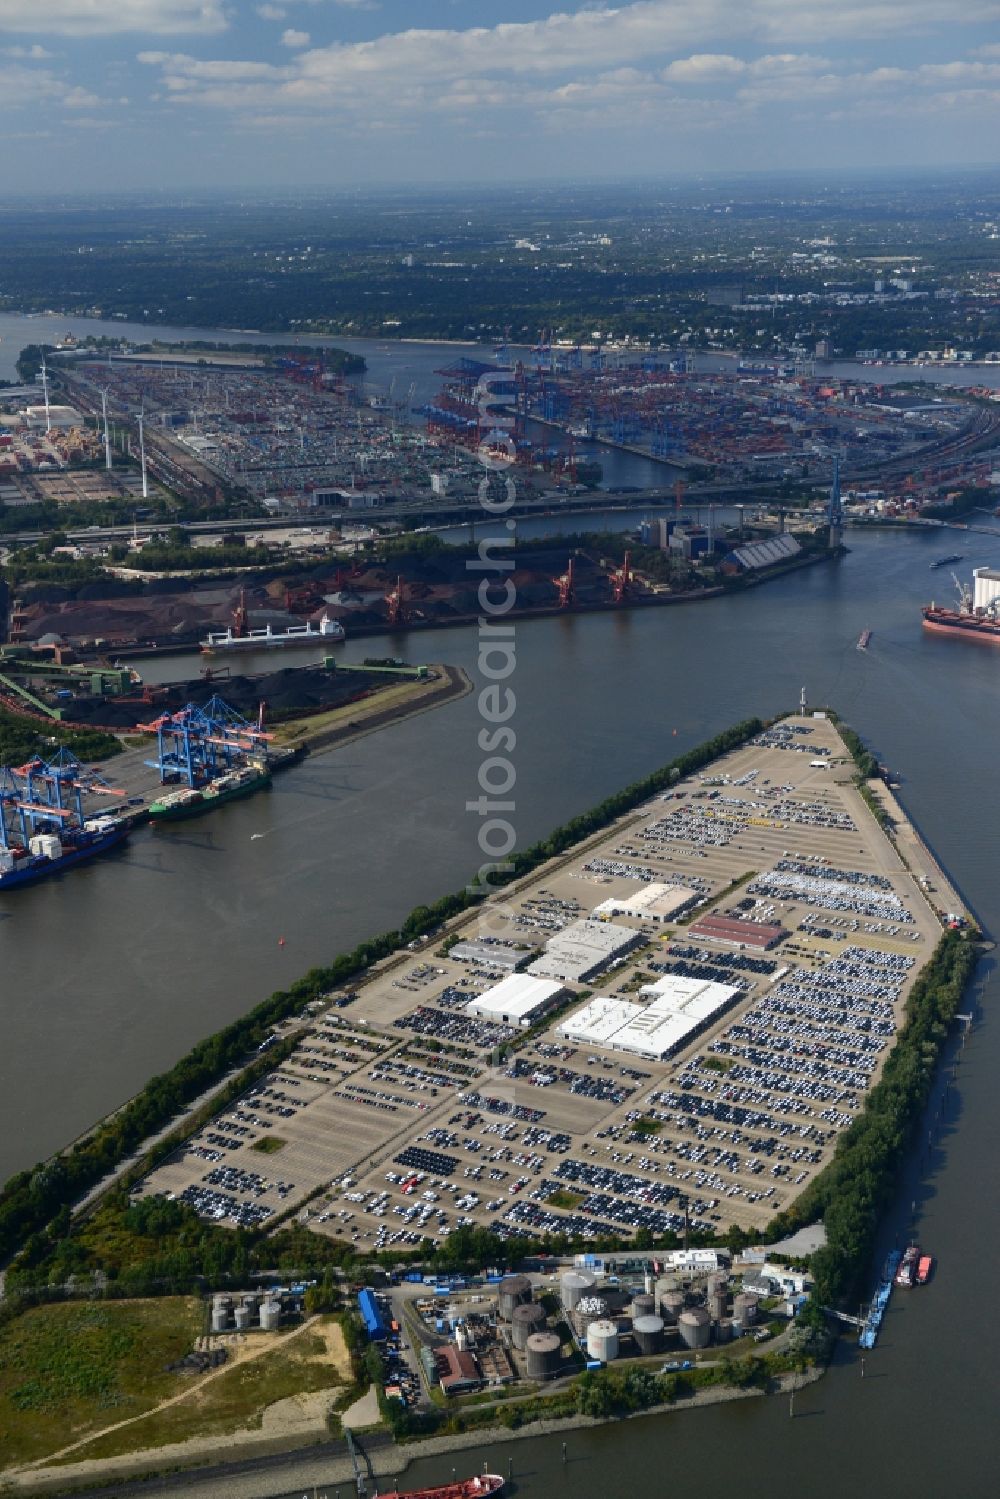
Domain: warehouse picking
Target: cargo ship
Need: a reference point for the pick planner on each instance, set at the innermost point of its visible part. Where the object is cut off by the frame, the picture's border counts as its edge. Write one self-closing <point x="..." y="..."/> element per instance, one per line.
<point x="50" y="853"/>
<point x="467" y="1488"/>
<point x="864" y="640"/>
<point x="943" y="561"/>
<point x="191" y="801"/>
<point x="978" y="614"/>
<point x="327" y="632"/>
<point x="961" y="623"/>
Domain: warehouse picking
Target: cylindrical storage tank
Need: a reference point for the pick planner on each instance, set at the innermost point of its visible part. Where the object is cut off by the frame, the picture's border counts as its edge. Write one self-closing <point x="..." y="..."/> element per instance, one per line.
<point x="242" y="1316"/>
<point x="643" y="1306"/>
<point x="671" y="1306"/>
<point x="717" y="1305"/>
<point x="647" y="1284"/>
<point x="542" y="1354"/>
<point x="220" y="1318"/>
<point x="575" y="1285"/>
<point x="514" y="1290"/>
<point x="648" y="1334"/>
<point x="744" y="1309"/>
<point x="270" y="1315"/>
<point x="716" y="1283"/>
<point x="602" y="1340"/>
<point x="526" y="1319"/>
<point x="695" y="1327"/>
<point x="724" y="1330"/>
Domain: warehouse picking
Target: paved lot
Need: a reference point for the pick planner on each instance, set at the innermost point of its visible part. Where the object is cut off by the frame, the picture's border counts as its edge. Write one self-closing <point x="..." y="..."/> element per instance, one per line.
<point x="415" y="1117"/>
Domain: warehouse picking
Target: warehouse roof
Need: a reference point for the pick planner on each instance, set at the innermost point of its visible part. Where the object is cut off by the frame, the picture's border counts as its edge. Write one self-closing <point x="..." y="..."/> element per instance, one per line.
<point x="583" y="949"/>
<point x="516" y="999"/>
<point x="653" y="902"/>
<point x="675" y="1010"/>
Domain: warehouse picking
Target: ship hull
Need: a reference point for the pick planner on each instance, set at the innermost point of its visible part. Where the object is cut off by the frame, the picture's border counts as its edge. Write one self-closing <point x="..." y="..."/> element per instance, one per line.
<point x="960" y="626"/>
<point x="486" y="1484"/>
<point x="209" y="801"/>
<point x="44" y="869"/>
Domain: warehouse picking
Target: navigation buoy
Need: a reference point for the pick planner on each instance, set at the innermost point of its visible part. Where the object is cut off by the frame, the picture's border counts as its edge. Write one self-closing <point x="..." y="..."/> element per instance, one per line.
<point x="281" y="941"/>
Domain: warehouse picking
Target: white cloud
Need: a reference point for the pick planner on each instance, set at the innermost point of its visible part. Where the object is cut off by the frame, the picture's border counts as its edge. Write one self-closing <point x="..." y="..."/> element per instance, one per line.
<point x="650" y="64"/>
<point x="105" y="17"/>
<point x="294" y="39"/>
<point x="34" y="53"/>
<point x="271" y="12"/>
<point x="26" y="87"/>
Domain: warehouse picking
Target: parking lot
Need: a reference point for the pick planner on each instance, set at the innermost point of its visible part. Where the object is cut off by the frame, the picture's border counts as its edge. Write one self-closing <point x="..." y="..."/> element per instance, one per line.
<point x="416" y="1117"/>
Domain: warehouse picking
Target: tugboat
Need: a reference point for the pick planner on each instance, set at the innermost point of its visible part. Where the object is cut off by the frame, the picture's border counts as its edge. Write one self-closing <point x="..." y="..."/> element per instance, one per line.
<point x="864" y="640"/>
<point x="907" y="1273"/>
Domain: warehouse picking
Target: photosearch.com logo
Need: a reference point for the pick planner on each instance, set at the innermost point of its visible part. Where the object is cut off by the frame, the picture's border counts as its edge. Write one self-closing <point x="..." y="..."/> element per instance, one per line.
<point x="496" y="595"/>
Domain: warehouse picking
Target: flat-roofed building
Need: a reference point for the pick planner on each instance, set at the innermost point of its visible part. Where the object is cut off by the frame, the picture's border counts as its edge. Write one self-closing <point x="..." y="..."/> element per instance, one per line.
<point x="584" y="949"/>
<point x="518" y="1000"/>
<point x="653" y="902"/>
<point x="758" y="934"/>
<point x="671" y="1014"/>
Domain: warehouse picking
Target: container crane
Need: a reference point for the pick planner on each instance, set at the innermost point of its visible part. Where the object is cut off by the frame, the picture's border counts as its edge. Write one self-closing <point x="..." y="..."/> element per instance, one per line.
<point x="196" y="744"/>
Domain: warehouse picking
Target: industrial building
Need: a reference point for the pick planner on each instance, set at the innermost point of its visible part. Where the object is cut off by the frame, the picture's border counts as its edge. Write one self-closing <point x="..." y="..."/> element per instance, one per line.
<point x="653" y="902"/>
<point x="756" y="934"/>
<point x="986" y="582"/>
<point x="371" y="1315"/>
<point x="584" y="949"/>
<point x="760" y="554"/>
<point x="675" y="1011"/>
<point x="518" y="1000"/>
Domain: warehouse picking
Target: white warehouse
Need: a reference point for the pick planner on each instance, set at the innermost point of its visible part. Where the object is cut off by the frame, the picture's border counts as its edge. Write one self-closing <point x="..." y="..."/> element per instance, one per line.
<point x="675" y="1011"/>
<point x="518" y="1000"/>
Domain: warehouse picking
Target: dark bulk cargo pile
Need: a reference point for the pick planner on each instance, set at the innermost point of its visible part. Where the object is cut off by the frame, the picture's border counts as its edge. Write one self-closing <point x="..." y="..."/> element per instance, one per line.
<point x="290" y="693"/>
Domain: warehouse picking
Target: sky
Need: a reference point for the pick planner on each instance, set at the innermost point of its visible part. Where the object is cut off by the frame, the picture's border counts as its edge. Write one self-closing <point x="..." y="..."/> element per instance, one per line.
<point x="216" y="94"/>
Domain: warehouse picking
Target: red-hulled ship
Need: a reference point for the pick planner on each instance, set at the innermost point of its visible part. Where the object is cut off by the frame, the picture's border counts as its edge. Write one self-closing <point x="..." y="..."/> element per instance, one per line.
<point x="960" y="622"/>
<point x="469" y="1488"/>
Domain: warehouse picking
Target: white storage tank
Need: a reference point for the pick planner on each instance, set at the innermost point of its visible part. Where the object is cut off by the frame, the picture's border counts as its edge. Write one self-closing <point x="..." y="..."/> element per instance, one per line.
<point x="242" y="1318"/>
<point x="602" y="1340"/>
<point x="270" y="1315"/>
<point x="695" y="1327"/>
<point x="575" y="1285"/>
<point x="220" y="1317"/>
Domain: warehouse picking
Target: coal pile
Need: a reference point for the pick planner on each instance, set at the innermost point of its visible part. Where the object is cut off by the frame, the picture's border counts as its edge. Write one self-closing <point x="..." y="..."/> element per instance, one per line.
<point x="288" y="693"/>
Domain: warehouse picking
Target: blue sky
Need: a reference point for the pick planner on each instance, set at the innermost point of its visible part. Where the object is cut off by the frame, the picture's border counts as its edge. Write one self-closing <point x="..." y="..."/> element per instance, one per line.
<point x="329" y="93"/>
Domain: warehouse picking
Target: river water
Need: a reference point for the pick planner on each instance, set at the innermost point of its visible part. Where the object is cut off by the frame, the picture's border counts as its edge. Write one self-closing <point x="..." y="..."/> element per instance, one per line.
<point x="109" y="974"/>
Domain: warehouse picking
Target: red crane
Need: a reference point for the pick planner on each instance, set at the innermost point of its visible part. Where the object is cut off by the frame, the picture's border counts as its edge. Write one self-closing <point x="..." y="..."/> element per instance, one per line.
<point x="679" y="489"/>
<point x="396" y="603"/>
<point x="567" y="586"/>
<point x="622" y="579"/>
<point x="241" y="619"/>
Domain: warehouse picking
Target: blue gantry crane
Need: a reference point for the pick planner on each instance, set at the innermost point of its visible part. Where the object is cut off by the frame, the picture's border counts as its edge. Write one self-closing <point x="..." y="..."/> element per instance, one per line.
<point x="198" y="743"/>
<point x="46" y="796"/>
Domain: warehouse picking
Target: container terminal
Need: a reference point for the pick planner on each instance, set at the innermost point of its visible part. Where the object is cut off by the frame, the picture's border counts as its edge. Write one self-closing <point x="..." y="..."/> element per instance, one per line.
<point x="642" y="988"/>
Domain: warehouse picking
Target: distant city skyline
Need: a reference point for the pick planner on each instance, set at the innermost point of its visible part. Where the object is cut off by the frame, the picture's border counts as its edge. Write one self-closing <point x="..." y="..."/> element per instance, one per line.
<point x="201" y="94"/>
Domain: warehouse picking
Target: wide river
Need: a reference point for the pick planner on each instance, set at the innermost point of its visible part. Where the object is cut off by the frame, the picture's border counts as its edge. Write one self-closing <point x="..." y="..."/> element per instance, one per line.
<point x="108" y="975"/>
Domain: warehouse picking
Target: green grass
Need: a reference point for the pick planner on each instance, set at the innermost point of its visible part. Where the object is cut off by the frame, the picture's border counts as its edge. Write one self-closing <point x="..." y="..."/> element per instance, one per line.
<point x="269" y="1144"/>
<point x="235" y="1401"/>
<point x="69" y="1369"/>
<point x="566" y="1199"/>
<point x="645" y="1127"/>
